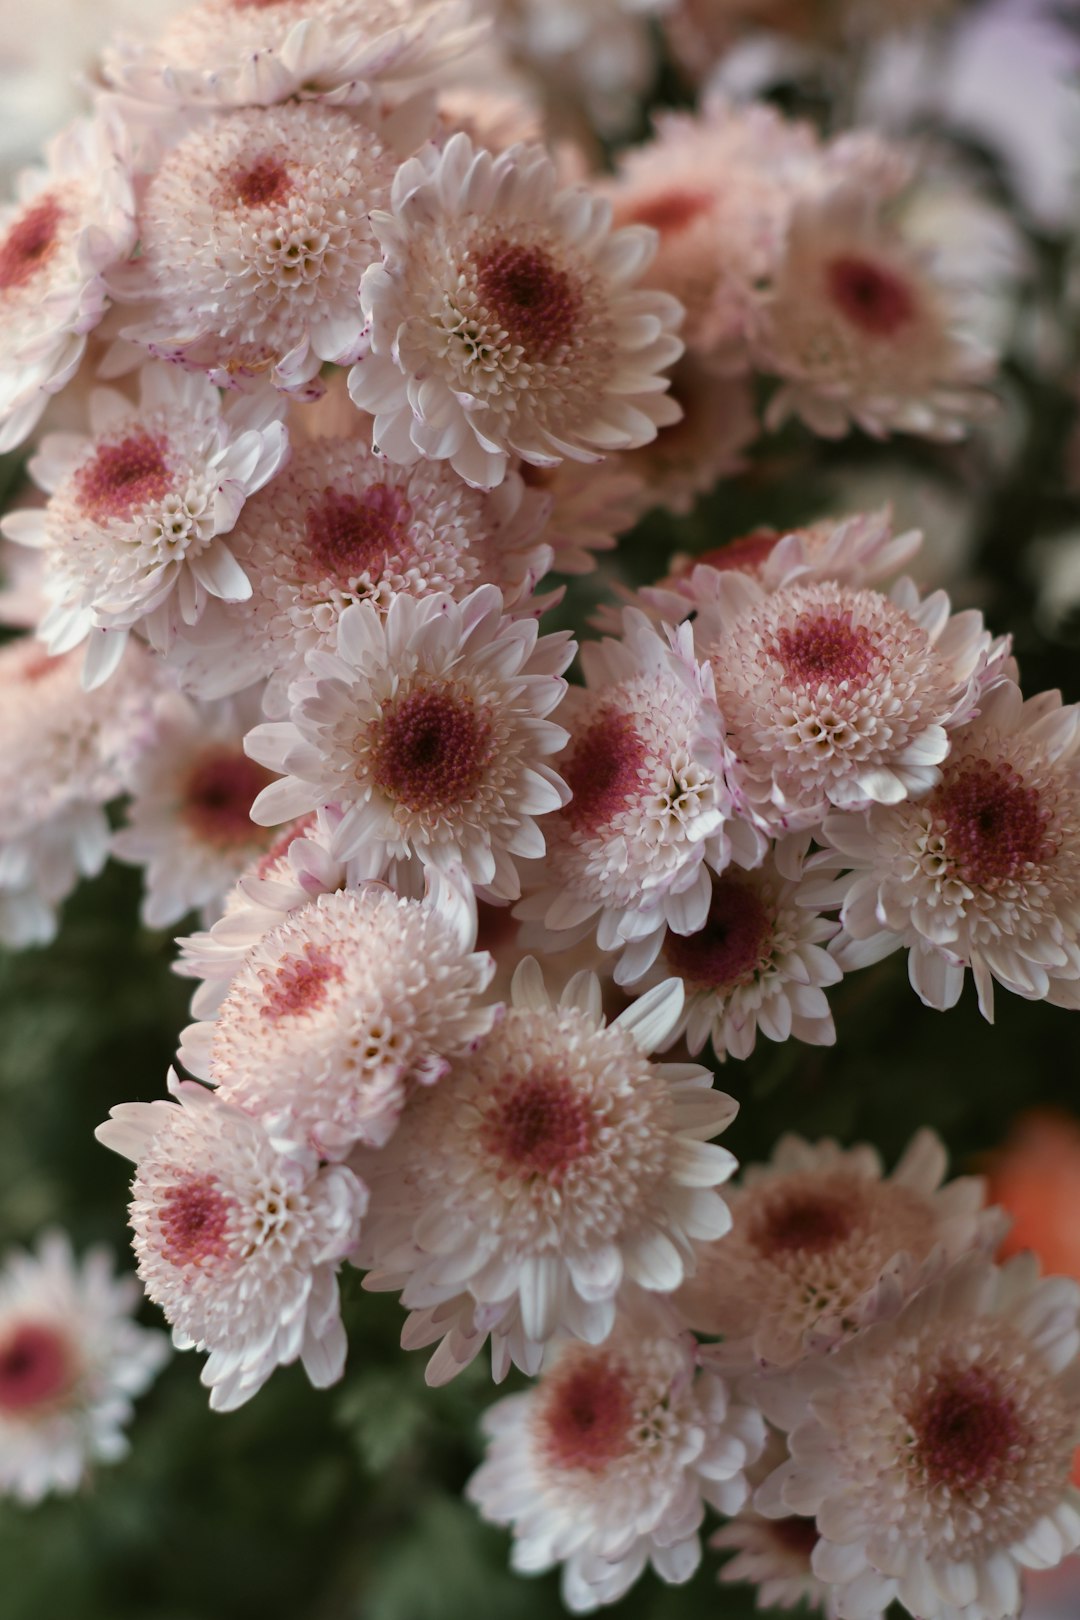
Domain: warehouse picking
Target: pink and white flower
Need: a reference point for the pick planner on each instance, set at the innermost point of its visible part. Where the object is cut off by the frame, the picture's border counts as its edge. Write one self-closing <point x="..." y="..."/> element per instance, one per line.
<point x="505" y="319"/>
<point x="427" y="728"/>
<point x="237" y="1241"/>
<point x="72" y="1362"/>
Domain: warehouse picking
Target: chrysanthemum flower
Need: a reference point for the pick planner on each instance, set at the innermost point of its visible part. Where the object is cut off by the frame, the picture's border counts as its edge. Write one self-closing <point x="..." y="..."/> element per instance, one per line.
<point x="133" y="532"/>
<point x="71" y="1363"/>
<point x="982" y="873"/>
<point x="505" y="319"/>
<point x="427" y="728"/>
<point x="592" y="503"/>
<point x="72" y="221"/>
<point x="238" y="1242"/>
<point x="757" y="964"/>
<point x="607" y="1465"/>
<point x="935" y="1452"/>
<point x="254" y="231"/>
<point x="341" y="525"/>
<point x="822" y="1244"/>
<point x="65" y="754"/>
<point x="552" y="1163"/>
<point x="689" y="458"/>
<point x="189" y="822"/>
<point x="652" y="806"/>
<point x="859" y="332"/>
<point x="337" y="1013"/>
<point x="837" y="696"/>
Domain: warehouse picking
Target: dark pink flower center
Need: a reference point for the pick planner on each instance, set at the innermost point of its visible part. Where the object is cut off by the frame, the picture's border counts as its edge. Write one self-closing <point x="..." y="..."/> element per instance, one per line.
<point x="995" y="825"/>
<point x="433" y="747"/>
<point x="541" y="1127"/>
<point x="671" y="211"/>
<point x="829" y="648"/>
<point x="218" y="795"/>
<point x="746" y="553"/>
<point x="123" y="476"/>
<point x="194" y="1222"/>
<point x="257" y="184"/>
<point x="300" y="983"/>
<point x="35" y="1367"/>
<point x="967" y="1431"/>
<point x="588" y="1416"/>
<point x="604" y="771"/>
<point x="733" y="944"/>
<point x="537" y="302"/>
<point x="29" y="243"/>
<point x="804" y="1222"/>
<point x="349" y="534"/>
<point x="870" y="296"/>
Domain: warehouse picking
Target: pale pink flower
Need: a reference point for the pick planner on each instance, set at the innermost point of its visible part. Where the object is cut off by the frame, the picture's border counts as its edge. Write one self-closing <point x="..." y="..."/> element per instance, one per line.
<point x="237" y="1241"/>
<point x="985" y="871"/>
<point x="592" y="503"/>
<point x="336" y="1014"/>
<point x="72" y="221"/>
<point x="823" y="1244"/>
<point x="607" y="1465"/>
<point x="505" y="319"/>
<point x="935" y="1452"/>
<point x="71" y="1363"/>
<point x="427" y="728"/>
<point x="132" y="534"/>
<point x="689" y="458"/>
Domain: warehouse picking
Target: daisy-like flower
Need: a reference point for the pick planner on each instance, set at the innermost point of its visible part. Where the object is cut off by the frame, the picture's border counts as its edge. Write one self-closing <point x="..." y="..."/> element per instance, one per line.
<point x="859" y="332"/>
<point x="552" y="1163"/>
<point x="71" y="1363"/>
<point x="189" y="822"/>
<point x="838" y="696"/>
<point x="341" y="526"/>
<point x="774" y="1555"/>
<point x="239" y="1242"/>
<point x="689" y="458"/>
<point x="65" y="754"/>
<point x="71" y="222"/>
<point x="427" y="728"/>
<point x="133" y="531"/>
<point x="758" y="963"/>
<point x="606" y="1466"/>
<point x="337" y="1013"/>
<point x="823" y="1244"/>
<point x="982" y="873"/>
<point x="254" y="52"/>
<point x="935" y="1453"/>
<point x="652" y="803"/>
<point x="254" y="231"/>
<point x="505" y="319"/>
<point x="592" y="503"/>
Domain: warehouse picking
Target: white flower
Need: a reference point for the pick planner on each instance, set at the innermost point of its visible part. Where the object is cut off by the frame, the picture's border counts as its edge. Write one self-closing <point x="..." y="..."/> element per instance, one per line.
<point x="71" y="1363"/>
<point x="758" y="963"/>
<point x="71" y="222"/>
<point x="336" y="1014"/>
<point x="651" y="778"/>
<point x="238" y="1242"/>
<point x="982" y="873"/>
<point x="505" y="319"/>
<point x="607" y="1465"/>
<point x="822" y="1244"/>
<point x="550" y="1164"/>
<point x="189" y="822"/>
<point x="427" y="728"/>
<point x="935" y="1452"/>
<point x="132" y="533"/>
<point x="254" y="231"/>
<point x="838" y="696"/>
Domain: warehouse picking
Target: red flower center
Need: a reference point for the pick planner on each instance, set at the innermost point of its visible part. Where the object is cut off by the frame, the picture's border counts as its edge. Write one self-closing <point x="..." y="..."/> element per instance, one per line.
<point x="870" y="296"/>
<point x="802" y="1222"/>
<point x="829" y="648"/>
<point x="218" y="796"/>
<point x="746" y="553"/>
<point x="123" y="476"/>
<point x="35" y="1367"/>
<point x="588" y="1415"/>
<point x="262" y="182"/>
<point x="541" y="1127"/>
<point x="300" y="983"/>
<point x="967" y="1431"/>
<point x="671" y="211"/>
<point x="603" y="772"/>
<point x="994" y="823"/>
<point x="526" y="291"/>
<point x="349" y="534"/>
<point x="729" y="950"/>
<point x="29" y="243"/>
<point x="432" y="750"/>
<point x="195" y="1222"/>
